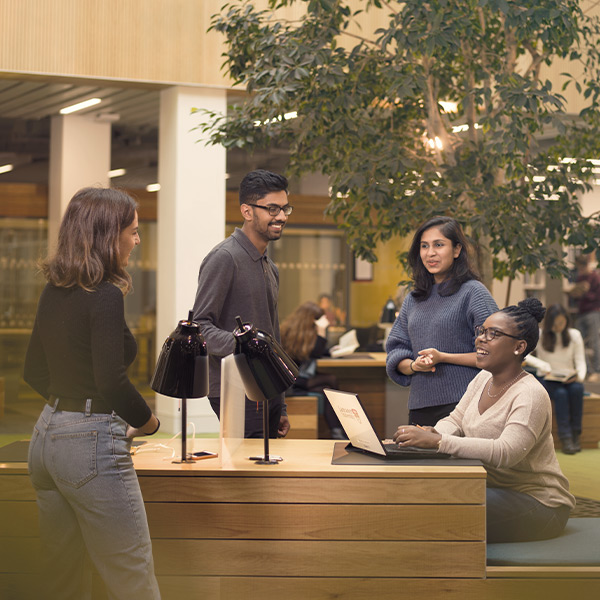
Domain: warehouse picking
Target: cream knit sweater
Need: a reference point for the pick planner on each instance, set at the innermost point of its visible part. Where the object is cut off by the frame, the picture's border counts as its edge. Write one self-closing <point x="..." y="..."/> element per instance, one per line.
<point x="512" y="438"/>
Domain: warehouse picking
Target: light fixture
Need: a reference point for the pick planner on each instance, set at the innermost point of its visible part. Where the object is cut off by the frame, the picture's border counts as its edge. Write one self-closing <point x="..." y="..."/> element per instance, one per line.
<point x="116" y="173"/>
<point x="67" y="110"/>
<point x="153" y="187"/>
<point x="182" y="371"/>
<point x="266" y="371"/>
<point x="6" y="168"/>
<point x="448" y="106"/>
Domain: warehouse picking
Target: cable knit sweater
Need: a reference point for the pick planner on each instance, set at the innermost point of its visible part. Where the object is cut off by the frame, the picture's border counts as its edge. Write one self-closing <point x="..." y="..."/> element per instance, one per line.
<point x="446" y="323"/>
<point x="513" y="438"/>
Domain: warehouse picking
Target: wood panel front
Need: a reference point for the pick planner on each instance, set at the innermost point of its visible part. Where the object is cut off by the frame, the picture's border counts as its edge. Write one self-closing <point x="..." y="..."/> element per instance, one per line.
<point x="222" y="528"/>
<point x="313" y="490"/>
<point x="316" y="521"/>
<point x="291" y="558"/>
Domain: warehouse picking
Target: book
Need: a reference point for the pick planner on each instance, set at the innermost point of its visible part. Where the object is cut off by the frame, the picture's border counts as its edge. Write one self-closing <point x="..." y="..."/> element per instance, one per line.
<point x="346" y="345"/>
<point x="561" y="375"/>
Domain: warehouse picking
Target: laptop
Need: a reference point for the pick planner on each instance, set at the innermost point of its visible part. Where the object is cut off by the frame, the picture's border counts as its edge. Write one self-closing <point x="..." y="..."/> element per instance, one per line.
<point x="362" y="435"/>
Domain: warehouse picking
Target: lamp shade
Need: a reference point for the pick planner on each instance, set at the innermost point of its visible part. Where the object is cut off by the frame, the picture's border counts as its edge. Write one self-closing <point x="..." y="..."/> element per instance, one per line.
<point x="182" y="367"/>
<point x="265" y="367"/>
<point x="388" y="314"/>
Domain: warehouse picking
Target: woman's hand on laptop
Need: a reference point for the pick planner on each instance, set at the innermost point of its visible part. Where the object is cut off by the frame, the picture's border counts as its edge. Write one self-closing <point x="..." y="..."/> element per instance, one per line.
<point x="415" y="435"/>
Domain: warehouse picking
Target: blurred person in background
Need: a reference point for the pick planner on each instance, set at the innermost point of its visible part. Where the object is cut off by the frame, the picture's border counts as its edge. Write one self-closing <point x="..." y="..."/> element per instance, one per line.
<point x="560" y="363"/>
<point x="304" y="338"/>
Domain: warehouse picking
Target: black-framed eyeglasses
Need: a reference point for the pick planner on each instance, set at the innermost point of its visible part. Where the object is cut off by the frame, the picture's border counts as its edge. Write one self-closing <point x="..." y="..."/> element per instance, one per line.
<point x="489" y="333"/>
<point x="275" y="209"/>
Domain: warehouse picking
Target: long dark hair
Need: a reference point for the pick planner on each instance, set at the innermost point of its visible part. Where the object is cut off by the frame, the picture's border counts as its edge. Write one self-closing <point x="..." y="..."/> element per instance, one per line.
<point x="527" y="315"/>
<point x="548" y="335"/>
<point x="87" y="252"/>
<point x="462" y="270"/>
<point x="299" y="332"/>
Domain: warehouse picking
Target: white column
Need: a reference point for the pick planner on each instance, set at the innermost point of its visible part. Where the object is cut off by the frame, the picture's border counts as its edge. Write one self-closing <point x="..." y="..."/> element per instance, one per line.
<point x="79" y="157"/>
<point x="191" y="220"/>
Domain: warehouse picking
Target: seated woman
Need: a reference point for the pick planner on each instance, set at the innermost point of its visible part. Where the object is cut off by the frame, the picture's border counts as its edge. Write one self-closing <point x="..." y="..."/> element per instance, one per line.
<point x="560" y="361"/>
<point x="303" y="336"/>
<point x="504" y="419"/>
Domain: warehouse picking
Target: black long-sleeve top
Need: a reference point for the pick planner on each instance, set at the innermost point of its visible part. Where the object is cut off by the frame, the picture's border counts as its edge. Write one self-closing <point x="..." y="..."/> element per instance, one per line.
<point x="81" y="347"/>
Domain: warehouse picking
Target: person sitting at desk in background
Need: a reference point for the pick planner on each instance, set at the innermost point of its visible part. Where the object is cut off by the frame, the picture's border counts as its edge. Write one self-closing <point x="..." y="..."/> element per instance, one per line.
<point x="336" y="316"/>
<point x="88" y="495"/>
<point x="562" y="353"/>
<point x="504" y="419"/>
<point x="431" y="345"/>
<point x="304" y="338"/>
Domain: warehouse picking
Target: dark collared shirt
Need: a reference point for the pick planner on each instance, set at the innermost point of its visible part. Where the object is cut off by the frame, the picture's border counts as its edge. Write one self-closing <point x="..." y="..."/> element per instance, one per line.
<point x="234" y="279"/>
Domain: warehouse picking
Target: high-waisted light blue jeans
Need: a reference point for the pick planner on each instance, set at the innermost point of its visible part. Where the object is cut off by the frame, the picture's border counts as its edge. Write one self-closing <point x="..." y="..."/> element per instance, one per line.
<point x="89" y="503"/>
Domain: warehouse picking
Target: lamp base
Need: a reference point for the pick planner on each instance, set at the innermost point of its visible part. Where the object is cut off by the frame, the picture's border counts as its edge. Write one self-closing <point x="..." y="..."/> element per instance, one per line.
<point x="271" y="460"/>
<point x="188" y="459"/>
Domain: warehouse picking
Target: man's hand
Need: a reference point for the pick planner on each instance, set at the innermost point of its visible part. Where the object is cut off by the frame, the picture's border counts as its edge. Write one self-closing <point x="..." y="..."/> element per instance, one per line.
<point x="284" y="426"/>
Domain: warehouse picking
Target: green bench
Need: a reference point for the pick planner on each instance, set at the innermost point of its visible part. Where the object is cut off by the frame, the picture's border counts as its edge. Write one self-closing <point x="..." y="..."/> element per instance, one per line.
<point x="564" y="567"/>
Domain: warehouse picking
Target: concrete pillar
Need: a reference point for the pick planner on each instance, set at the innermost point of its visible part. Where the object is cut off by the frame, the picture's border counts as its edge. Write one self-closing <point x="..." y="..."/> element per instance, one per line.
<point x="191" y="220"/>
<point x="79" y="157"/>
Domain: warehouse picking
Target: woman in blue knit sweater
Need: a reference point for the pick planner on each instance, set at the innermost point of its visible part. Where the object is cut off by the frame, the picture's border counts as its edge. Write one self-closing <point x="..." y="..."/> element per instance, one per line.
<point x="431" y="346"/>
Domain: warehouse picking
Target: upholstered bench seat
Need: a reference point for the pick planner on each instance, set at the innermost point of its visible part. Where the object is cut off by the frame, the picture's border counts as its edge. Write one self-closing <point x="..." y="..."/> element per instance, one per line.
<point x="579" y="545"/>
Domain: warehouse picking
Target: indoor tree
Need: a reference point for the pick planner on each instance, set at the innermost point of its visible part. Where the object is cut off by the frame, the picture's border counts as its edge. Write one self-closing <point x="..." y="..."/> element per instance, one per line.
<point x="445" y="107"/>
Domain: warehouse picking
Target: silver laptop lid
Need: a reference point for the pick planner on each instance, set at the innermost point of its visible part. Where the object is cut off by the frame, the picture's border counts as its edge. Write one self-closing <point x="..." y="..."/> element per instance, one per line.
<point x="355" y="421"/>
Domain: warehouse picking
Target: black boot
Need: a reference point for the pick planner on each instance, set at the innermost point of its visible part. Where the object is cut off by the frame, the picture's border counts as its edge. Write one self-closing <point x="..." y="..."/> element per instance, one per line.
<point x="576" y="443"/>
<point x="567" y="445"/>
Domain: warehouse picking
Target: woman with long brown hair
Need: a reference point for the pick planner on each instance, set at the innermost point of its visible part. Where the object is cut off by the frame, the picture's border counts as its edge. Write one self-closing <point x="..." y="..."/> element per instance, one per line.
<point x="88" y="496"/>
<point x="303" y="335"/>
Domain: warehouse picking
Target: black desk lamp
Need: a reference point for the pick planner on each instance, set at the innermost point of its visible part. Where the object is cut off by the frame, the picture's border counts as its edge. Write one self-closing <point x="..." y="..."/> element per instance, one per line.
<point x="266" y="371"/>
<point x="182" y="371"/>
<point x="388" y="314"/>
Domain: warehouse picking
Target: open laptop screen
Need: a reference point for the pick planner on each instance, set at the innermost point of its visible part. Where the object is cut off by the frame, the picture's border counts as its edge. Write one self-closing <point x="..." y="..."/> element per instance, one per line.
<point x="355" y="421"/>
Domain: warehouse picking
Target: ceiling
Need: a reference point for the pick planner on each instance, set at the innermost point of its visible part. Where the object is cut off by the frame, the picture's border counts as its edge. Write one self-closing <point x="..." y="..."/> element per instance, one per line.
<point x="26" y="106"/>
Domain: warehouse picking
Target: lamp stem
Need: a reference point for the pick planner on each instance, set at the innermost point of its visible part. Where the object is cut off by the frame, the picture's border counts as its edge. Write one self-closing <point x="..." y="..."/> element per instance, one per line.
<point x="183" y="429"/>
<point x="266" y="428"/>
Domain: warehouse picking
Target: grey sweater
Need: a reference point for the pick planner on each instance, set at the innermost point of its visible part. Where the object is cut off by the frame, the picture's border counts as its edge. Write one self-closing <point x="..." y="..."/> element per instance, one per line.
<point x="234" y="279"/>
<point x="446" y="323"/>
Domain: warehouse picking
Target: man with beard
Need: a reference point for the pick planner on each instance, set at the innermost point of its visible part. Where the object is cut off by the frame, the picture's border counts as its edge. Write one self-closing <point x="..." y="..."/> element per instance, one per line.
<point x="238" y="278"/>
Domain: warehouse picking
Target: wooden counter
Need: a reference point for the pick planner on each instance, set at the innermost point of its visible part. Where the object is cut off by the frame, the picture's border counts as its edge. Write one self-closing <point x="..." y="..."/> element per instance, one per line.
<point x="302" y="529"/>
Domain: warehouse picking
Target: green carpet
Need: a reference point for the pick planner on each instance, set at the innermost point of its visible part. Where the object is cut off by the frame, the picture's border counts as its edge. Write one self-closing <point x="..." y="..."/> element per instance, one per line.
<point x="582" y="470"/>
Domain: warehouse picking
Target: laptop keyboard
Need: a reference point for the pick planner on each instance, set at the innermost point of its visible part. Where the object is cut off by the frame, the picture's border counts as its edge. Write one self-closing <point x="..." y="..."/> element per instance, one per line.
<point x="395" y="449"/>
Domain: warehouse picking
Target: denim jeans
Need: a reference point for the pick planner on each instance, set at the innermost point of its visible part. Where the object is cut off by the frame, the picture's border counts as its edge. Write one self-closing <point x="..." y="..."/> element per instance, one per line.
<point x="516" y="517"/>
<point x="90" y="504"/>
<point x="568" y="406"/>
<point x="589" y="325"/>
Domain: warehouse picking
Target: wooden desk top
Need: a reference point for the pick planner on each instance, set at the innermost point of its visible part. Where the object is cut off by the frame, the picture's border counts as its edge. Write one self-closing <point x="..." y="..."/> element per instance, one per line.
<point x="302" y="458"/>
<point x="358" y="359"/>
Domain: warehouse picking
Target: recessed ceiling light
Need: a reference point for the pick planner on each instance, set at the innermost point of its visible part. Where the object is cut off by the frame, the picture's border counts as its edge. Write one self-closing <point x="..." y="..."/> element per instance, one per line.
<point x="116" y="173"/>
<point x="79" y="106"/>
<point x="6" y="168"/>
<point x="153" y="187"/>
